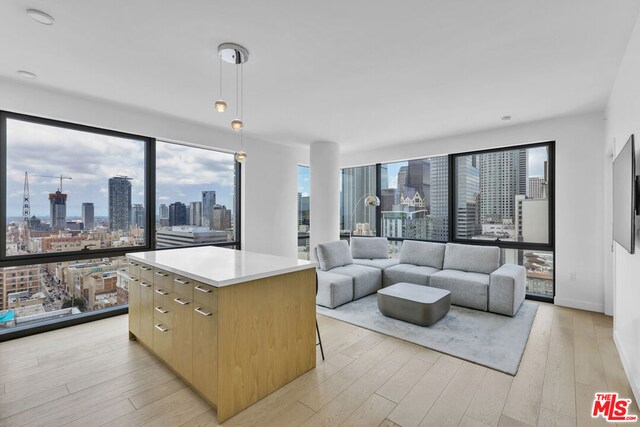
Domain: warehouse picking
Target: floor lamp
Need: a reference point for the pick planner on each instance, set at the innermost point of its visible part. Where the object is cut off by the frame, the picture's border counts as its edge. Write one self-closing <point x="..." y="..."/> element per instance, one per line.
<point x="370" y="200"/>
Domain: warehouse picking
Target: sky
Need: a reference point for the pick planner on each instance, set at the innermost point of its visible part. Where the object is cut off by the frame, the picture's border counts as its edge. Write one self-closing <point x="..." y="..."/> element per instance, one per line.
<point x="91" y="159"/>
<point x="303" y="180"/>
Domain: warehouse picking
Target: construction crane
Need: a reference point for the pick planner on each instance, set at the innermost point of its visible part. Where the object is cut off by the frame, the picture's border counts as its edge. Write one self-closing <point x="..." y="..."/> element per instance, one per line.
<point x="26" y="212"/>
<point x="60" y="177"/>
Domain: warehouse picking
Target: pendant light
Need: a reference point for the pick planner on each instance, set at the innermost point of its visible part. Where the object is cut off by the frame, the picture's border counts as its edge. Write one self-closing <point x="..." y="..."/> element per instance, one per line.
<point x="236" y="55"/>
<point x="220" y="105"/>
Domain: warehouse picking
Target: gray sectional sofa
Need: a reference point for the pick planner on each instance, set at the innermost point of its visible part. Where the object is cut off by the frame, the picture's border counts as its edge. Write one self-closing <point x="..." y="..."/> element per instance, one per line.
<point x="471" y="273"/>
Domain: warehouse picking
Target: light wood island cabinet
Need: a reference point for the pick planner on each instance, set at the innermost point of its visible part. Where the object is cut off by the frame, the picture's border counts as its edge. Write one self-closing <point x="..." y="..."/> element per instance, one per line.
<point x="234" y="325"/>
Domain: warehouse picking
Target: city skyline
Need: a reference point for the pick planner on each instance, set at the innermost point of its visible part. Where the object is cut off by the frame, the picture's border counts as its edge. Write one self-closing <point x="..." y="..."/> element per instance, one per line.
<point x="96" y="159"/>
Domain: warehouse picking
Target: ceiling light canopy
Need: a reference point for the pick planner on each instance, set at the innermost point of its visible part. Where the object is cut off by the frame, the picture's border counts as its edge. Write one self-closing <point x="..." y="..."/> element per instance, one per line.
<point x="233" y="53"/>
<point x="40" y="16"/>
<point x="27" y="74"/>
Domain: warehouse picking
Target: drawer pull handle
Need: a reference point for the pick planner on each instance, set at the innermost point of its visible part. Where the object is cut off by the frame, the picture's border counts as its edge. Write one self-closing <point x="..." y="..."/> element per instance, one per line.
<point x="179" y="301"/>
<point x="160" y="273"/>
<point x="145" y="284"/>
<point x="162" y="292"/>
<point x="206" y="291"/>
<point x="145" y="268"/>
<point x="162" y="310"/>
<point x="182" y="282"/>
<point x="133" y="279"/>
<point x="135" y="264"/>
<point x="161" y="328"/>
<point x="200" y="311"/>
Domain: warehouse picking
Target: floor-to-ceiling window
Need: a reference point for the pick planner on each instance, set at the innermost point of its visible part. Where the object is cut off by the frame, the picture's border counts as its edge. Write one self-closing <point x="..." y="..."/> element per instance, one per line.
<point x="303" y="212"/>
<point x="504" y="197"/>
<point x="75" y="199"/>
<point x="195" y="196"/>
<point x="501" y="197"/>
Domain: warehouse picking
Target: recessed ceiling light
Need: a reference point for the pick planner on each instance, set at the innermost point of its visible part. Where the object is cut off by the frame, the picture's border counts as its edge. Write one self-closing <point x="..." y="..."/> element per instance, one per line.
<point x="505" y="118"/>
<point x="27" y="74"/>
<point x="41" y="17"/>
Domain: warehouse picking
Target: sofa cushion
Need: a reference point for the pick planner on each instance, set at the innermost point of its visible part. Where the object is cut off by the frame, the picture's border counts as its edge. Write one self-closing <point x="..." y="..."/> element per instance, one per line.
<point x="377" y="263"/>
<point x="369" y="247"/>
<point x="427" y="254"/>
<point x="366" y="280"/>
<point x="334" y="289"/>
<point x="475" y="259"/>
<point x="467" y="289"/>
<point x="416" y="274"/>
<point x="334" y="254"/>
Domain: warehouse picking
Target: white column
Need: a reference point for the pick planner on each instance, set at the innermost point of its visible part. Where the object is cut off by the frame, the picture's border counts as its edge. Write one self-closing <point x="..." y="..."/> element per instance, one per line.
<point x="325" y="193"/>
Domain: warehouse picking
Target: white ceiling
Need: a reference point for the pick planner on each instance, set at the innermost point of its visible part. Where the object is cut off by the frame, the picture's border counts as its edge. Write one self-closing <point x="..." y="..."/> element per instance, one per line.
<point x="361" y="73"/>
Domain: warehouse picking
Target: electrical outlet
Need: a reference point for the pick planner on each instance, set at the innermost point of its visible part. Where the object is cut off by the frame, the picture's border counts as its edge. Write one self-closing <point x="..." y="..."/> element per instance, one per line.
<point x="572" y="276"/>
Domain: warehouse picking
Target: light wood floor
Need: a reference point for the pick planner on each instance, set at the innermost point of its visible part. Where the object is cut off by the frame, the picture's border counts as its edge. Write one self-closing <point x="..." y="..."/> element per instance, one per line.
<point x="92" y="375"/>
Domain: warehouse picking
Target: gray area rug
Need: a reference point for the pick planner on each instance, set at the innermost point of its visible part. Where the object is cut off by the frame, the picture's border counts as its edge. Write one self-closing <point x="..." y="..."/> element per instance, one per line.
<point x="488" y="339"/>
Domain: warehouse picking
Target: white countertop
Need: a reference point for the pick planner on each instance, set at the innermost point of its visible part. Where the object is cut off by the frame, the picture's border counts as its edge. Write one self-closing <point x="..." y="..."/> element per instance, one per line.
<point x="220" y="266"/>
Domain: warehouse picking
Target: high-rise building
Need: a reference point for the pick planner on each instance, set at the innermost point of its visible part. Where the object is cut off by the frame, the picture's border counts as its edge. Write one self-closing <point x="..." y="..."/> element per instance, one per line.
<point x="221" y="218"/>
<point x="467" y="215"/>
<point x="177" y="214"/>
<point x="195" y="213"/>
<point x="303" y="210"/>
<point x="536" y="187"/>
<point x="439" y="200"/>
<point x="137" y="216"/>
<point x="188" y="235"/>
<point x="119" y="203"/>
<point x="208" y="202"/>
<point x="88" y="218"/>
<point x="163" y="211"/>
<point x="58" y="210"/>
<point x="503" y="176"/>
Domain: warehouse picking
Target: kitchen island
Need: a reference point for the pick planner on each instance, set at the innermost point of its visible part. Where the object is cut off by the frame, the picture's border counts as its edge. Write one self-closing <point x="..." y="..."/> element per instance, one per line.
<point x="234" y="325"/>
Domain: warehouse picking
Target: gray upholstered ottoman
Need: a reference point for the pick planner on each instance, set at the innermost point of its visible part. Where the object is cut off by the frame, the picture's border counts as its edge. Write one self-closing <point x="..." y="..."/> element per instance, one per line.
<point x="417" y="304"/>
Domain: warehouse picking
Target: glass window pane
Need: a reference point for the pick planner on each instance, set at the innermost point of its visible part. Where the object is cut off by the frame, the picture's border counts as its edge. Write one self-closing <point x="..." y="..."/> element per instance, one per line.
<point x="35" y="293"/>
<point x="539" y="265"/>
<point x="355" y="217"/>
<point x="503" y="195"/>
<point x="69" y="190"/>
<point x="195" y="196"/>
<point x="303" y="212"/>
<point x="415" y="199"/>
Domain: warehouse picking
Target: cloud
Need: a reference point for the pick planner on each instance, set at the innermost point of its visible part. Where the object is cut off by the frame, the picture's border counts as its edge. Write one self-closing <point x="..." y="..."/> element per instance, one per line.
<point x="91" y="159"/>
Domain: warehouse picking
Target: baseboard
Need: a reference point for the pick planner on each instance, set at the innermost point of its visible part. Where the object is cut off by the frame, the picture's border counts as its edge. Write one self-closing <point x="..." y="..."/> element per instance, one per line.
<point x="626" y="365"/>
<point x="581" y="305"/>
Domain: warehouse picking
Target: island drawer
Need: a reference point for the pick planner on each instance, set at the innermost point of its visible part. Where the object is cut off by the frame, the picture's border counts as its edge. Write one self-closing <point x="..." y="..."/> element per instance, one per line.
<point x="162" y="296"/>
<point x="134" y="269"/>
<point x="146" y="273"/>
<point x="205" y="295"/>
<point x="183" y="286"/>
<point x="163" y="314"/>
<point x="163" y="279"/>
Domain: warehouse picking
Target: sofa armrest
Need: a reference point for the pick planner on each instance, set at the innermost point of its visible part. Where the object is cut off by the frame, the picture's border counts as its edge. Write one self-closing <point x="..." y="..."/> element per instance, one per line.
<point x="507" y="287"/>
<point x="333" y="289"/>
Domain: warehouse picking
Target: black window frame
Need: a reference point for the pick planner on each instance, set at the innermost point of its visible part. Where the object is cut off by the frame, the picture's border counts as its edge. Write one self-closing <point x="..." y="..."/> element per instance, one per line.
<point x="502" y="244"/>
<point x="550" y="245"/>
<point x="55" y="257"/>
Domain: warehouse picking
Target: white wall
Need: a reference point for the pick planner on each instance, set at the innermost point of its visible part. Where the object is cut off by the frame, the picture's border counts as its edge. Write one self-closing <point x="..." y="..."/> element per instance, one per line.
<point x="579" y="193"/>
<point x="623" y="119"/>
<point x="269" y="196"/>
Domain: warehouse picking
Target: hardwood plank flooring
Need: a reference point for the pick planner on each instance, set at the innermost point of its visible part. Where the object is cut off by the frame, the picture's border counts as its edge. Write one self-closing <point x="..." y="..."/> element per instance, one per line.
<point x="91" y="375"/>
